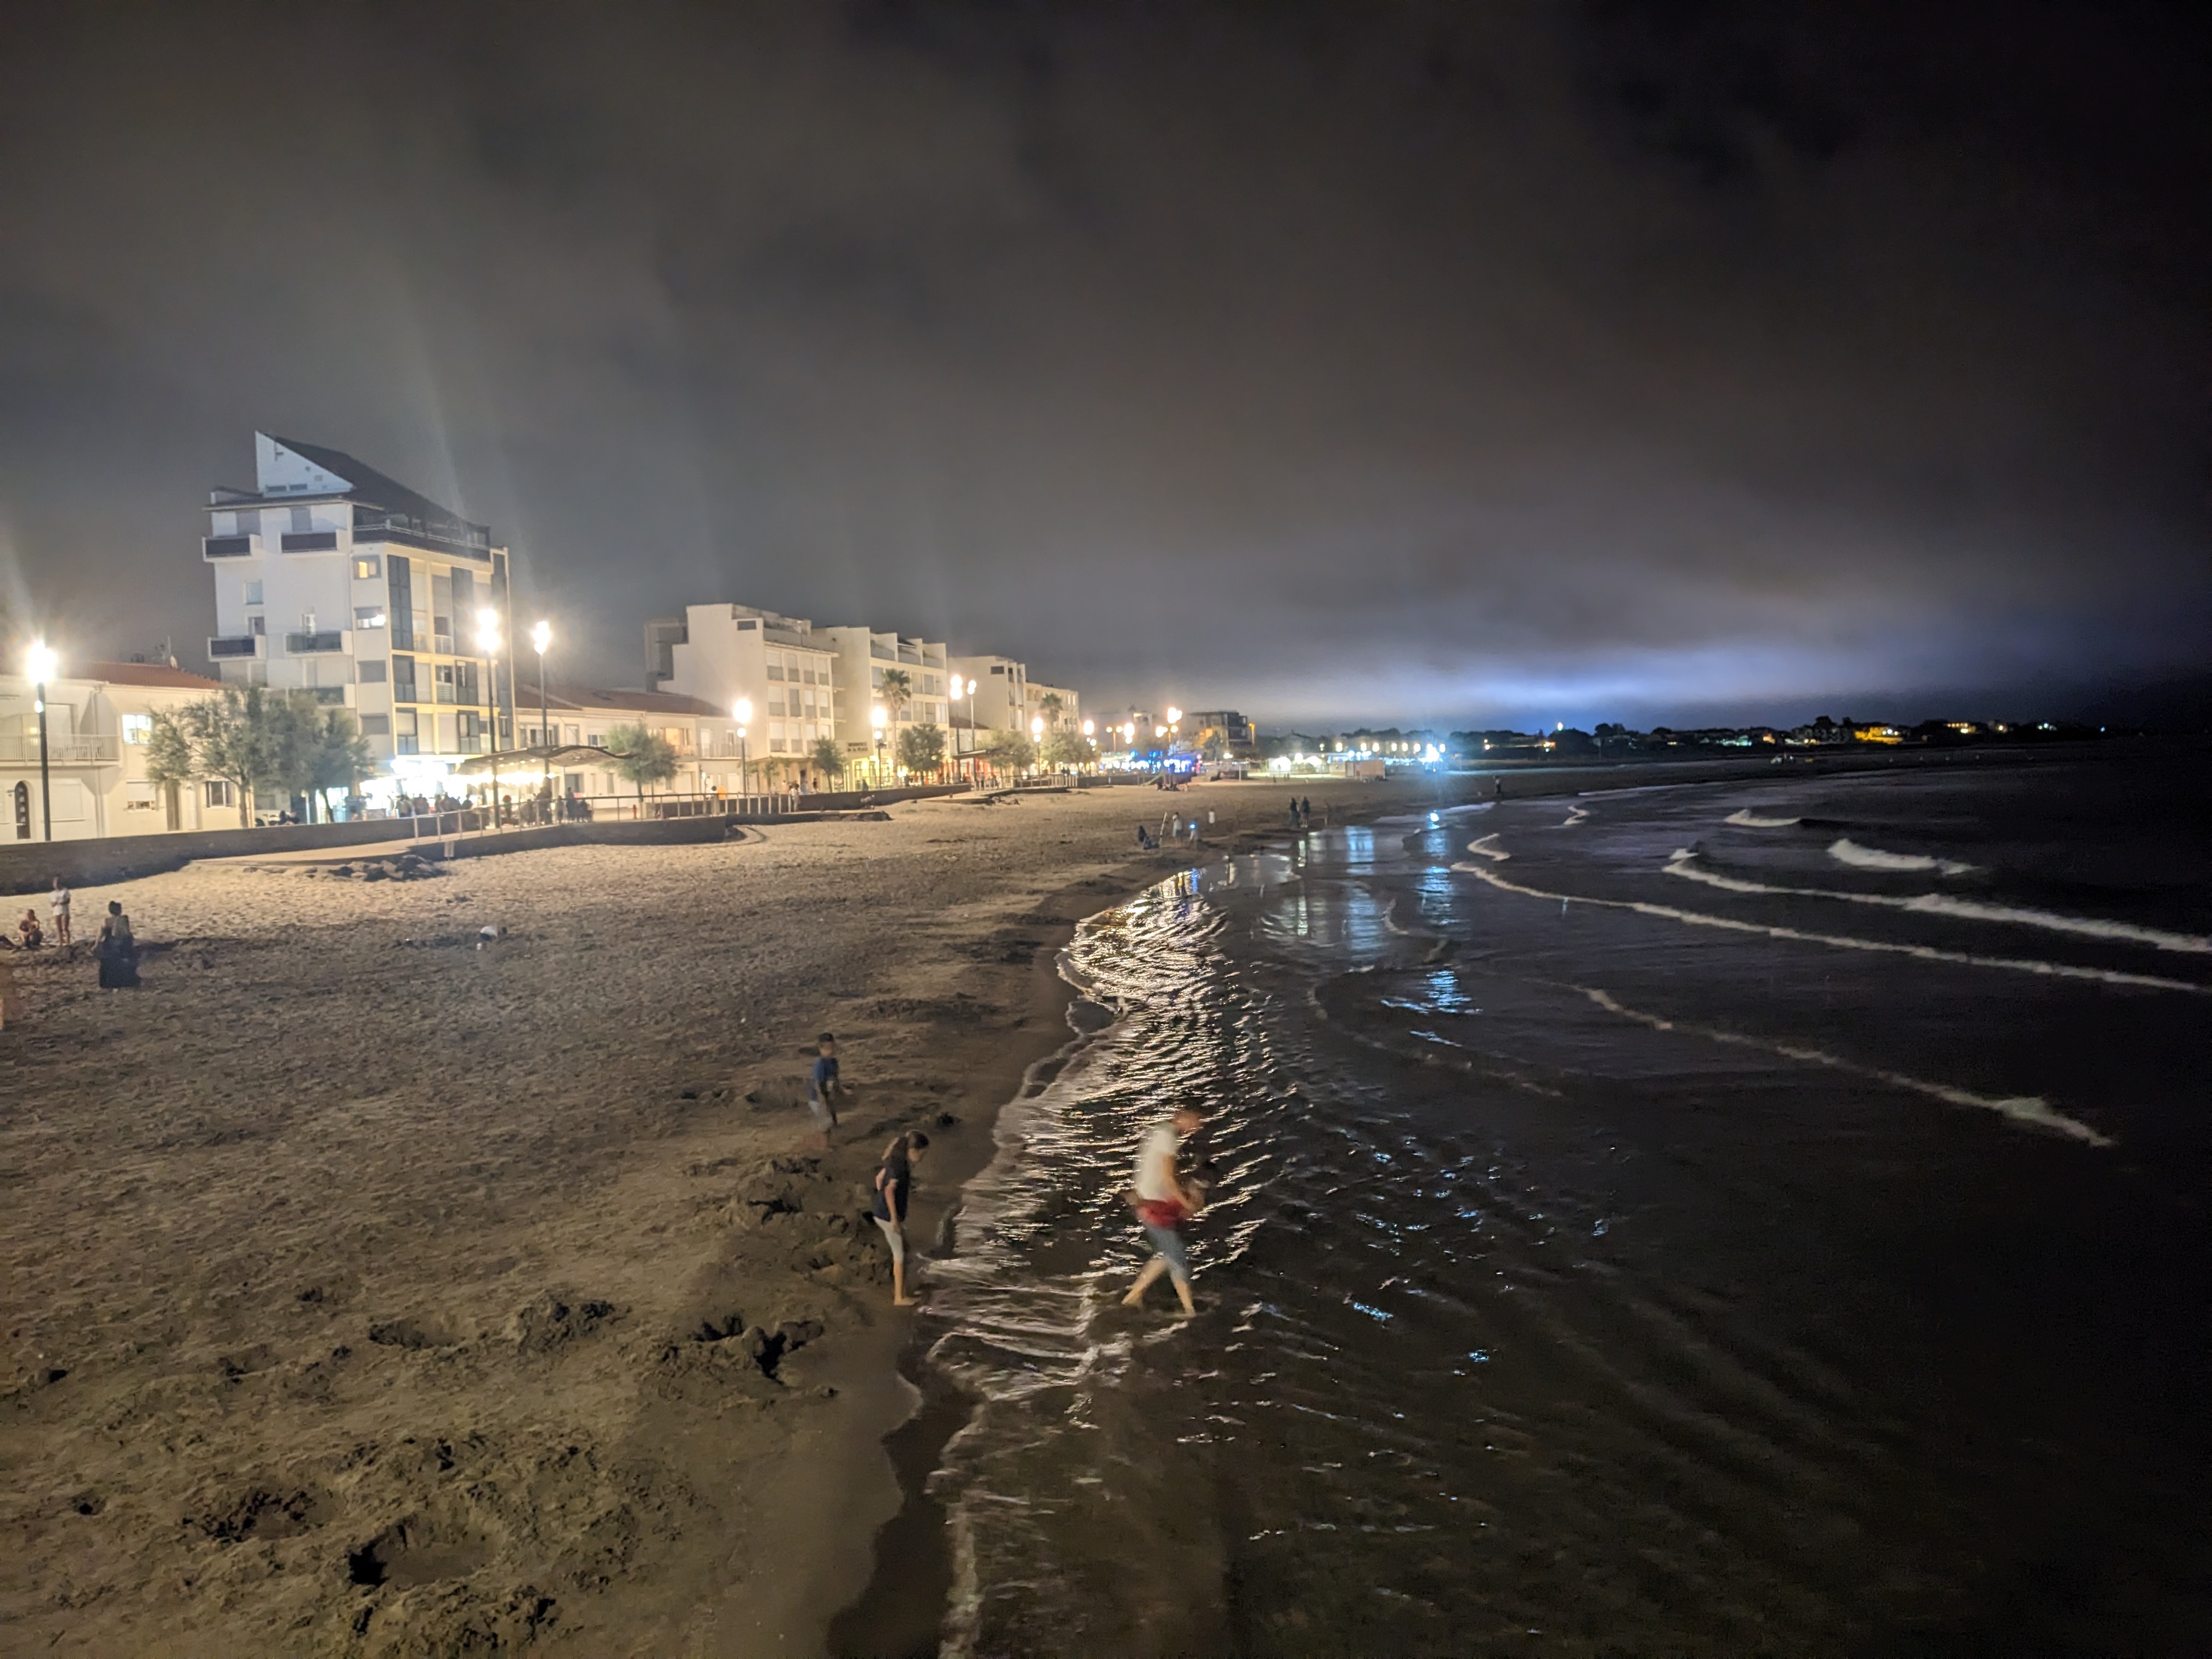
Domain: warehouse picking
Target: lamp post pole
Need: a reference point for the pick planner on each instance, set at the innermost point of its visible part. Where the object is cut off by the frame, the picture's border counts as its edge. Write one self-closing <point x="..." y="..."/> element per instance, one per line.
<point x="42" y="670"/>
<point x="540" y="637"/>
<point x="488" y="642"/>
<point x="743" y="708"/>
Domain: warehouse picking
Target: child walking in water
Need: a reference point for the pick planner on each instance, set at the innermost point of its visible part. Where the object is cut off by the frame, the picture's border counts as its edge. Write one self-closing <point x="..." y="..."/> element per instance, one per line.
<point x="1163" y="1202"/>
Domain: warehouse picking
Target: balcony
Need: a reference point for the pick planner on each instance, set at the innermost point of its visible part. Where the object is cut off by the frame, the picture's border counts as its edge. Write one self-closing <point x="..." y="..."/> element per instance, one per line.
<point x="310" y="541"/>
<point x="80" y="750"/>
<point x="882" y="651"/>
<point x="230" y="547"/>
<point x="224" y="647"/>
<point x="309" y="645"/>
<point x="329" y="696"/>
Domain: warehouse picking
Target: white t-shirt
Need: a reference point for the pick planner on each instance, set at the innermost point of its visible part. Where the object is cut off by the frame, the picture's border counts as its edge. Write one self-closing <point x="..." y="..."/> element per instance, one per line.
<point x="1156" y="1161"/>
<point x="58" y="900"/>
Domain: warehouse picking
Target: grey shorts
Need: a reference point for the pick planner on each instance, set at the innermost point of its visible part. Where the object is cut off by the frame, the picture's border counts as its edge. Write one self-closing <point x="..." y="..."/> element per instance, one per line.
<point x="825" y="1115"/>
<point x="894" y="1232"/>
<point x="1167" y="1243"/>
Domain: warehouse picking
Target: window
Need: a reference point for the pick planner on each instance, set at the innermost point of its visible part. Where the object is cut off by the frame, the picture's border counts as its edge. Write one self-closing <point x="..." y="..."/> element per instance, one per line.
<point x="774" y="668"/>
<point x="302" y="521"/>
<point x="441" y="676"/>
<point x="402" y="680"/>
<point x="368" y="616"/>
<point x="140" y="797"/>
<point x="253" y="592"/>
<point x="372" y="674"/>
<point x="218" y="792"/>
<point x="748" y="625"/>
<point x="137" y="728"/>
<point x="597" y="741"/>
<point x="369" y="566"/>
<point x="398" y="586"/>
<point x="376" y="725"/>
<point x="257" y="625"/>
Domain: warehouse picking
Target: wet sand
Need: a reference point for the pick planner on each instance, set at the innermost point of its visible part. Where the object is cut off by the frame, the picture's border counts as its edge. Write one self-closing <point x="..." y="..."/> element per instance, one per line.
<point x="368" y="1292"/>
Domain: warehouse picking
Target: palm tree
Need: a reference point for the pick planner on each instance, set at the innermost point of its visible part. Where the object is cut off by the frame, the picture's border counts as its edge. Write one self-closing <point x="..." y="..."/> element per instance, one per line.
<point x="828" y="759"/>
<point x="896" y="691"/>
<point x="1051" y="705"/>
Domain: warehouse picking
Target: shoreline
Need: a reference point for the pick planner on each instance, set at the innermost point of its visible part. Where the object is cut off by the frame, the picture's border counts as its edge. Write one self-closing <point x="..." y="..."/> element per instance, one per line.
<point x="400" y="1269"/>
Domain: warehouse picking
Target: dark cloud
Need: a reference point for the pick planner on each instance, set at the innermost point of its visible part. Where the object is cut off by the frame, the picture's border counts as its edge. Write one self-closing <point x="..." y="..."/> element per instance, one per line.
<point x="1418" y="361"/>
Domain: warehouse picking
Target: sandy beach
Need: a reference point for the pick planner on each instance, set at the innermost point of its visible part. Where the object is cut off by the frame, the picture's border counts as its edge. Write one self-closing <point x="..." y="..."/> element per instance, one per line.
<point x="367" y="1291"/>
<point x="370" y="1292"/>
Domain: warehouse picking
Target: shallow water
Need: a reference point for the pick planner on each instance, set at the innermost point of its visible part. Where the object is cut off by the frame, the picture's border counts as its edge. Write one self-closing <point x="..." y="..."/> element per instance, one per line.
<point x="1607" y="1262"/>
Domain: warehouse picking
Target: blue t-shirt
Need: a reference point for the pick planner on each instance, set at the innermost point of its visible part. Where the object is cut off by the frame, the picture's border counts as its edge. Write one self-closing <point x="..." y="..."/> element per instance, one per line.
<point x="826" y="1073"/>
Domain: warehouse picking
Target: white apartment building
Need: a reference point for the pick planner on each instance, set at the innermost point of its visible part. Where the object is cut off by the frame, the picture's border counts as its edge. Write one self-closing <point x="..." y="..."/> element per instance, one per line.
<point x="98" y="721"/>
<point x="1067" y="713"/>
<point x="781" y="667"/>
<point x="1001" y="699"/>
<point x="864" y="656"/>
<point x="331" y="577"/>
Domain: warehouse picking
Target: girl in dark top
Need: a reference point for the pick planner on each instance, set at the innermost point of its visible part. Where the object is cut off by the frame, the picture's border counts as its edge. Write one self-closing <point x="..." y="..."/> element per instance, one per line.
<point x="118" y="952"/>
<point x="894" y="1179"/>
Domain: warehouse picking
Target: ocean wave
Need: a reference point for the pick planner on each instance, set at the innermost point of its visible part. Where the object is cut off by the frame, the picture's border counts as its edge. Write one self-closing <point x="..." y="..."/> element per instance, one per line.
<point x="1575" y="816"/>
<point x="1847" y="851"/>
<point x="1486" y="848"/>
<point x="2031" y="1110"/>
<point x="1889" y="947"/>
<point x="1749" y="822"/>
<point x="1684" y="864"/>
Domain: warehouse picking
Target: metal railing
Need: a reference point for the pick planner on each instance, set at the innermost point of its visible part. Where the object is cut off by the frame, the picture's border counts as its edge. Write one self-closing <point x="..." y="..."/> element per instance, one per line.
<point x="236" y="645"/>
<point x="301" y="645"/>
<point x="229" y="547"/>
<point x="79" y="749"/>
<point x="309" y="541"/>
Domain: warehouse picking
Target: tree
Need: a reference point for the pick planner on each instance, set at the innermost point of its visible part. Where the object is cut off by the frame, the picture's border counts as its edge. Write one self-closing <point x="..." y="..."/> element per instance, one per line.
<point x="895" y="692"/>
<point x="1010" y="751"/>
<point x="330" y="750"/>
<point x="1050" y="705"/>
<point x="1068" y="748"/>
<point x="828" y="759"/>
<point x="921" y="748"/>
<point x="241" y="736"/>
<point x="642" y="756"/>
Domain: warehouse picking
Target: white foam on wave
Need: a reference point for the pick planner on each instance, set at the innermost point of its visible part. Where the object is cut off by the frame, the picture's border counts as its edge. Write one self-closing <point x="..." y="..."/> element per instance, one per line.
<point x="1846" y="851"/>
<point x="1575" y="816"/>
<point x="2031" y="1110"/>
<point x="1487" y="848"/>
<point x="1746" y="818"/>
<point x="1684" y="864"/>
<point x="1842" y="942"/>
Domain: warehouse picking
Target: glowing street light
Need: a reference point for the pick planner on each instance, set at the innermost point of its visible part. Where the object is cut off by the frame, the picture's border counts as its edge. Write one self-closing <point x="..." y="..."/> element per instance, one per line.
<point x="1089" y="727"/>
<point x="41" y="665"/>
<point x="743" y="709"/>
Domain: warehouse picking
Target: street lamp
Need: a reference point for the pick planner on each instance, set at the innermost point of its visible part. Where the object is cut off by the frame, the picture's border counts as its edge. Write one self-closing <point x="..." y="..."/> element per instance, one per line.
<point x="743" y="709"/>
<point x="541" y="635"/>
<point x="488" y="642"/>
<point x="40" y="664"/>
<point x="878" y="717"/>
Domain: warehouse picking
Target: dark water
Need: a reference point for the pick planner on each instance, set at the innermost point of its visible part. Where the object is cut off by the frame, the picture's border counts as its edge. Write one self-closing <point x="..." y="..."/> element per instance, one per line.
<point x="1618" y="1256"/>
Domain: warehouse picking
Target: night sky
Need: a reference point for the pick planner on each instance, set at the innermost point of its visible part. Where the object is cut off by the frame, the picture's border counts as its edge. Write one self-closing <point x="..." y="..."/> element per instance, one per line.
<point x="1415" y="363"/>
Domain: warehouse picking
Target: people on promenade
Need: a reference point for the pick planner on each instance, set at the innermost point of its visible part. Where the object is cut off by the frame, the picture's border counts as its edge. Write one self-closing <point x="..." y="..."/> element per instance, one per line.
<point x="57" y="906"/>
<point x="117" y="951"/>
<point x="894" y="1181"/>
<point x="1163" y="1202"/>
<point x="823" y="1086"/>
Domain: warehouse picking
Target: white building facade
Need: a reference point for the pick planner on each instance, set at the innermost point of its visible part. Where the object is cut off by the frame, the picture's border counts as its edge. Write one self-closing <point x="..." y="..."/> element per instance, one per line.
<point x="331" y="578"/>
<point x="782" y="668"/>
<point x="94" y="783"/>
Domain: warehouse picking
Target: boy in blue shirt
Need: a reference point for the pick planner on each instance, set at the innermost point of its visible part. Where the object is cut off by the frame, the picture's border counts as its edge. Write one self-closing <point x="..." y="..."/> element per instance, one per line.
<point x="822" y="1087"/>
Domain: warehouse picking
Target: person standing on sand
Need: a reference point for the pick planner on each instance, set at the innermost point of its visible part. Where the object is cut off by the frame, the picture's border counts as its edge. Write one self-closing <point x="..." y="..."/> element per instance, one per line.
<point x="894" y="1179"/>
<point x="57" y="906"/>
<point x="117" y="951"/>
<point x="823" y="1086"/>
<point x="1162" y="1203"/>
